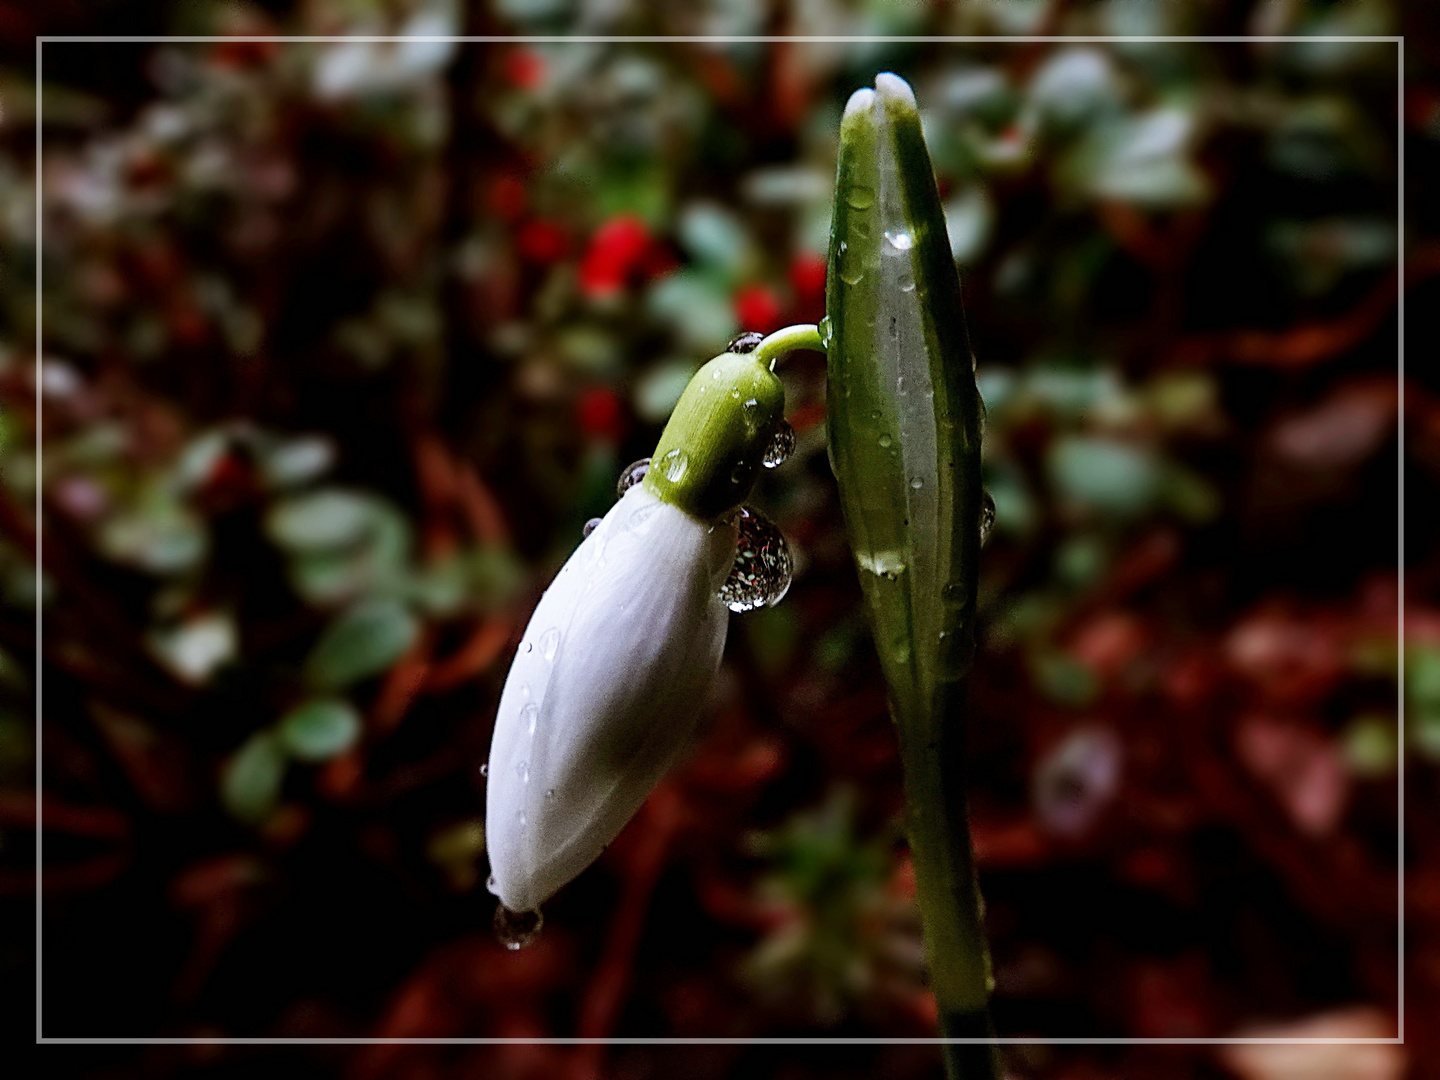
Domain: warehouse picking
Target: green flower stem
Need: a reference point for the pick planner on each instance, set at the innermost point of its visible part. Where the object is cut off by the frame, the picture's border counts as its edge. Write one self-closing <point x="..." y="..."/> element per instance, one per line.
<point x="802" y="336"/>
<point x="904" y="423"/>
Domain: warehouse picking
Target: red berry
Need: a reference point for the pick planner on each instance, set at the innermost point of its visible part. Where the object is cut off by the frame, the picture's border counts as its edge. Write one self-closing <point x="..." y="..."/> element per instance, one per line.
<point x="756" y="308"/>
<point x="599" y="414"/>
<point x="524" y="68"/>
<point x="541" y="242"/>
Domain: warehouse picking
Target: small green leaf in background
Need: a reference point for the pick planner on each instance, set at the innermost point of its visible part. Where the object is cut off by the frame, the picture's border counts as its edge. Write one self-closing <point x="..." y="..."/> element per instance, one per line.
<point x="250" y="782"/>
<point x="1105" y="474"/>
<point x="362" y="641"/>
<point x="319" y="729"/>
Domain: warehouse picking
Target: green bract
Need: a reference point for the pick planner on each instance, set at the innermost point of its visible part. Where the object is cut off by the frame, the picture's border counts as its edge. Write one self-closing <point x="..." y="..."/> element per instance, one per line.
<point x="711" y="450"/>
<point x="904" y="425"/>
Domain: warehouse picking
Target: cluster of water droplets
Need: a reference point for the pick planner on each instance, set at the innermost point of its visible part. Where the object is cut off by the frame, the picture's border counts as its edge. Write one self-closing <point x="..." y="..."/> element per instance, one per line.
<point x="763" y="568"/>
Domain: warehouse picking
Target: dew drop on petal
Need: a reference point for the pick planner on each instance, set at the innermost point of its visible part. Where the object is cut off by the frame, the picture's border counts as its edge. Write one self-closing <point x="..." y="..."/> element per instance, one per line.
<point x="745" y="343"/>
<point x="760" y="575"/>
<point x="522" y="770"/>
<point x="485" y="769"/>
<point x="516" y="929"/>
<point x="676" y="462"/>
<point x="633" y="474"/>
<point x="549" y="794"/>
<point x="531" y="715"/>
<point x="525" y="646"/>
<point x="490" y="884"/>
<point x="781" y="445"/>
<point x="549" y="642"/>
<point x="987" y="518"/>
<point x="590" y="526"/>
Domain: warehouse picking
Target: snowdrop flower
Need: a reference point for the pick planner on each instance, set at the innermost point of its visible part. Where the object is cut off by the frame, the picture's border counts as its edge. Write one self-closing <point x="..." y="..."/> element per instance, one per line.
<point x="618" y="659"/>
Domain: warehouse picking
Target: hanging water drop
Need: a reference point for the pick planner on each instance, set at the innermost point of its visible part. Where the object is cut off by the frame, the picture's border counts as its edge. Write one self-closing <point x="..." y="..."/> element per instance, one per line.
<point x="827" y="332"/>
<point x="590" y="526"/>
<point x="781" y="445"/>
<point x="745" y="343"/>
<point x="676" y="462"/>
<point x="516" y="929"/>
<point x="987" y="518"/>
<point x="549" y="642"/>
<point x="633" y="474"/>
<point x="485" y="769"/>
<point x="860" y="197"/>
<point x="760" y="575"/>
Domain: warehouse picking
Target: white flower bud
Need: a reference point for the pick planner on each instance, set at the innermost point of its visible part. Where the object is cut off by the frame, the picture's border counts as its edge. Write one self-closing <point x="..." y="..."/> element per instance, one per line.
<point x="605" y="691"/>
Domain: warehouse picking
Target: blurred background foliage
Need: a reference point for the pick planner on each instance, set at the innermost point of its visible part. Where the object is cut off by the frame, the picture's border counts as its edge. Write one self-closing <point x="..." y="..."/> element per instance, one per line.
<point x="343" y="343"/>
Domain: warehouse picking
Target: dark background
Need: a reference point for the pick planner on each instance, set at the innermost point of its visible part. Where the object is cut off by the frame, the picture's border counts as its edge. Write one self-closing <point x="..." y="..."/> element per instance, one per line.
<point x="343" y="344"/>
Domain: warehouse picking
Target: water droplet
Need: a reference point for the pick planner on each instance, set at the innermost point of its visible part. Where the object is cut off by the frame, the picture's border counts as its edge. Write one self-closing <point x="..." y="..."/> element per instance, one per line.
<point x="885" y="441"/>
<point x="987" y="518"/>
<point x="531" y="715"/>
<point x="490" y="884"/>
<point x="827" y="332"/>
<point x="549" y="794"/>
<point x="781" y="445"/>
<point x="874" y="414"/>
<point x="907" y="283"/>
<point x="900" y="386"/>
<point x="641" y="516"/>
<point x="549" y="642"/>
<point x="745" y="343"/>
<point x="885" y="564"/>
<point x="860" y="228"/>
<point x="522" y="770"/>
<point x="738" y="474"/>
<point x="521" y="818"/>
<point x="735" y="393"/>
<point x="916" y="483"/>
<point x="900" y="241"/>
<point x="760" y="575"/>
<point x="525" y="646"/>
<point x="485" y="769"/>
<point x="675" y="465"/>
<point x="516" y="929"/>
<point x="590" y="526"/>
<point x="633" y="474"/>
<point x="860" y="197"/>
<point x="852" y="275"/>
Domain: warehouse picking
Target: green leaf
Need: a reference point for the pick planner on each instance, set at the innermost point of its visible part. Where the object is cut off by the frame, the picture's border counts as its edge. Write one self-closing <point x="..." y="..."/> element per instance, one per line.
<point x="1108" y="475"/>
<point x="250" y="782"/>
<point x="319" y="729"/>
<point x="362" y="641"/>
<point x="904" y="412"/>
<point x="904" y="423"/>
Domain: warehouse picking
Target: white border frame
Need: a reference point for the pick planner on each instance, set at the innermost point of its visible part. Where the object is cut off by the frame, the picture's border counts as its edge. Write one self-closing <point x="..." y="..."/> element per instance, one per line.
<point x="1398" y="1039"/>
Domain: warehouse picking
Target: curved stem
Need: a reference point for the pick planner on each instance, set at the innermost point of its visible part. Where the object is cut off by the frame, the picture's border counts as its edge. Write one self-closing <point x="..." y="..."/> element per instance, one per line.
<point x="799" y="336"/>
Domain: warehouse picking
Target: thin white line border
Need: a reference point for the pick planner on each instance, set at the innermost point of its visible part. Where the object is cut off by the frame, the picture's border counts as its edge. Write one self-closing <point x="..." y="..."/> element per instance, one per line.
<point x="747" y="39"/>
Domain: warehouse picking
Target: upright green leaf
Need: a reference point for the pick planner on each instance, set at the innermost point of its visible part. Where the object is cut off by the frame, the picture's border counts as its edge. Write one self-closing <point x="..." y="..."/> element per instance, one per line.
<point x="904" y="417"/>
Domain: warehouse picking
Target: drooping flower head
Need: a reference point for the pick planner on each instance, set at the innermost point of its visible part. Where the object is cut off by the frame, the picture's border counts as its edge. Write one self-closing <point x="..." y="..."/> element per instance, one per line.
<point x="616" y="663"/>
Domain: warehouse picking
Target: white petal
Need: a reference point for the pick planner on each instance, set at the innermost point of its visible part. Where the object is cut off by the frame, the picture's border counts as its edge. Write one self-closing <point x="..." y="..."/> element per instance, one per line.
<point x="605" y="691"/>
